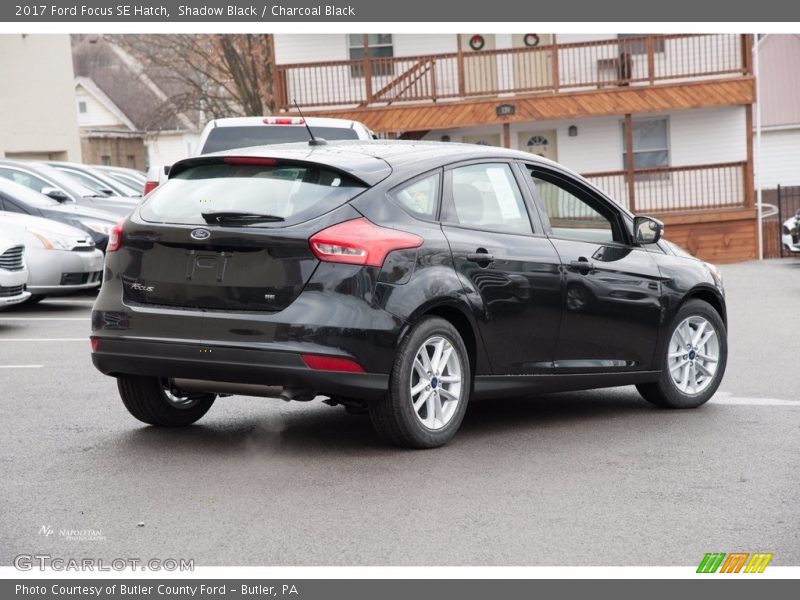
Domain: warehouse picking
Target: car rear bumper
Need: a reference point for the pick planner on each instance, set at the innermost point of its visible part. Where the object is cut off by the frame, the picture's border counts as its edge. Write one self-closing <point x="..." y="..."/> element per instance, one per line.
<point x="230" y="364"/>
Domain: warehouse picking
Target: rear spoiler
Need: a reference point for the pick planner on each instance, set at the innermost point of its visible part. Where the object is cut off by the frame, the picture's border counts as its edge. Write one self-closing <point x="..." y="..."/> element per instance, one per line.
<point x="365" y="169"/>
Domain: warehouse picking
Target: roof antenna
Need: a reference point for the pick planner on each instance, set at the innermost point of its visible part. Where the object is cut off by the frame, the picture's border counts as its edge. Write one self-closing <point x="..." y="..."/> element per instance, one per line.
<point x="313" y="141"/>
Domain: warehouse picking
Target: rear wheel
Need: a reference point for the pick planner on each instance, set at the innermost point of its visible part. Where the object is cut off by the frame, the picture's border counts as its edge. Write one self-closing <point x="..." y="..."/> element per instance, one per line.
<point x="155" y="402"/>
<point x="693" y="361"/>
<point x="34" y="299"/>
<point x="428" y="389"/>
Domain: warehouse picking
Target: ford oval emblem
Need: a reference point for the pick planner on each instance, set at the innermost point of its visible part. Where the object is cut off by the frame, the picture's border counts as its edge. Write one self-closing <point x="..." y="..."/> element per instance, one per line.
<point x="200" y="234"/>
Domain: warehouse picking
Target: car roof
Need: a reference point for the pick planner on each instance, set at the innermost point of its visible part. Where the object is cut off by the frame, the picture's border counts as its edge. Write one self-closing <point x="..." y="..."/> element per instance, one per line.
<point x="260" y="121"/>
<point x="373" y="161"/>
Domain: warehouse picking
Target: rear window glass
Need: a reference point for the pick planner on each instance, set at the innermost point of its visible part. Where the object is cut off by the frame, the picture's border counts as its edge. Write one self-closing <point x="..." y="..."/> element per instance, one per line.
<point x="228" y="138"/>
<point x="295" y="193"/>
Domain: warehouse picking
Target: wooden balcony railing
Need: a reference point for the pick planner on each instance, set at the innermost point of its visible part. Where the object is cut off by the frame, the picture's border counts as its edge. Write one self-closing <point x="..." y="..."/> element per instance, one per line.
<point x="674" y="189"/>
<point x="639" y="61"/>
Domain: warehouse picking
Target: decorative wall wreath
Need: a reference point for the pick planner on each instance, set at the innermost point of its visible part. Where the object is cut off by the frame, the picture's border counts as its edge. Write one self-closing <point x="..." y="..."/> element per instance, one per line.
<point x="531" y="39"/>
<point x="477" y="42"/>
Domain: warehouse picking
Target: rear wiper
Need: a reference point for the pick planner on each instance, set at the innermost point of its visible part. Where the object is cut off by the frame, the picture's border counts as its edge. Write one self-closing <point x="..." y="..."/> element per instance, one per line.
<point x="233" y="217"/>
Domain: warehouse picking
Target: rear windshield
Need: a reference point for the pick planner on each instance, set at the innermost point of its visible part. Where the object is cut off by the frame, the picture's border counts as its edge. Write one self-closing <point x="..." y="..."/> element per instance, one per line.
<point x="228" y="138"/>
<point x="294" y="193"/>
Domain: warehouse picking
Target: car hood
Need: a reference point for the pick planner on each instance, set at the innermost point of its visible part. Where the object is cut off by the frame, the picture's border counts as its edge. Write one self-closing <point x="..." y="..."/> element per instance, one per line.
<point x="14" y="225"/>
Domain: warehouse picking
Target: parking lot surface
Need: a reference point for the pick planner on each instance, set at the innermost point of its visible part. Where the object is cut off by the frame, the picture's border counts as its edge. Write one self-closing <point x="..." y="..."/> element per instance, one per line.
<point x="588" y="478"/>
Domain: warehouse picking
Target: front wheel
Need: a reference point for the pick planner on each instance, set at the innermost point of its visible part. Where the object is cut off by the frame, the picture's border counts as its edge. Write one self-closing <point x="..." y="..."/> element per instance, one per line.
<point x="693" y="361"/>
<point x="428" y="389"/>
<point x="155" y="402"/>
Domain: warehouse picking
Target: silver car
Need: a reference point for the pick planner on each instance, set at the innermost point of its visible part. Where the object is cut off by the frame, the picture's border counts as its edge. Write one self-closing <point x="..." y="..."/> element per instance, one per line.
<point x="13" y="273"/>
<point x="60" y="259"/>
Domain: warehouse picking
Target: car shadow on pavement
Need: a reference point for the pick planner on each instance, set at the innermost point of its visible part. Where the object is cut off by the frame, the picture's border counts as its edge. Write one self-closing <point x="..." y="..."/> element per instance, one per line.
<point x="320" y="430"/>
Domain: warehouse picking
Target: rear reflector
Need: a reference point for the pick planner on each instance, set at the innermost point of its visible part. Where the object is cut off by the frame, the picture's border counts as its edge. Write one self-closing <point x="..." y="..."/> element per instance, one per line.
<point x="115" y="237"/>
<point x="319" y="362"/>
<point x="95" y="343"/>
<point x="250" y="160"/>
<point x="360" y="242"/>
<point x="149" y="186"/>
<point x="283" y="120"/>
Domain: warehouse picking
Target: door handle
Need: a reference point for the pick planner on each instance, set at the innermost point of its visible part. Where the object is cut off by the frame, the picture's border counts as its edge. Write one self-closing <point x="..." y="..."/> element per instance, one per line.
<point x="482" y="257"/>
<point x="582" y="265"/>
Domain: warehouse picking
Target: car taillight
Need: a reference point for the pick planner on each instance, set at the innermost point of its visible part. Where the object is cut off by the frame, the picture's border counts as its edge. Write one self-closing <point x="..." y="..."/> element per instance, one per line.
<point x="149" y="186"/>
<point x="115" y="237"/>
<point x="95" y="344"/>
<point x="360" y="242"/>
<point x="320" y="362"/>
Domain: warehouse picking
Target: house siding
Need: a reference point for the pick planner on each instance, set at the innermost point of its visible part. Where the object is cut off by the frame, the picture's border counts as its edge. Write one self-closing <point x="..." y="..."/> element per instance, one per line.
<point x="38" y="117"/>
<point x="779" y="163"/>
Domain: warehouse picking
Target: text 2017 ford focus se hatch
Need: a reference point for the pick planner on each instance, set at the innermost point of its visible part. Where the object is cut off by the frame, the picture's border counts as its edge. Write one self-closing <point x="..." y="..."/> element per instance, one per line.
<point x="400" y="278"/>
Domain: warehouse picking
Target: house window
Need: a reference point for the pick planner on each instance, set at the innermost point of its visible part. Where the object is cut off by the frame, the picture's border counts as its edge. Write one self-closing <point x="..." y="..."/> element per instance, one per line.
<point x="380" y="47"/>
<point x="639" y="45"/>
<point x="650" y="144"/>
<point x="131" y="161"/>
<point x="82" y="107"/>
<point x="105" y="160"/>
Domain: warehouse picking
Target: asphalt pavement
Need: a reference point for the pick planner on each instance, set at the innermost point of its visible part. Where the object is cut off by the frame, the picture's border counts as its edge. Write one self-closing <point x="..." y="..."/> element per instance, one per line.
<point x="589" y="478"/>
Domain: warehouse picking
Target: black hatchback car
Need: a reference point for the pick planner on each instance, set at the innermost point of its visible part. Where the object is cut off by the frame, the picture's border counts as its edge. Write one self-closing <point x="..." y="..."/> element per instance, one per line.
<point x="398" y="278"/>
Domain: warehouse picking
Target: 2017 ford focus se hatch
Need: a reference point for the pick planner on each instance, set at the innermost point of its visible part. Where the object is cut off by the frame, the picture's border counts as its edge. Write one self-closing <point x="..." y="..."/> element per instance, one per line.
<point x="399" y="278"/>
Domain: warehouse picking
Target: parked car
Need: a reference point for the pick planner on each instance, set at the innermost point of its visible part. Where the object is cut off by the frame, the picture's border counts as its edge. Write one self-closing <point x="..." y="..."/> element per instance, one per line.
<point x="13" y="273"/>
<point x="790" y="233"/>
<point x="51" y="182"/>
<point x="240" y="132"/>
<point x="96" y="180"/>
<point x="400" y="278"/>
<point x="17" y="198"/>
<point x="61" y="259"/>
<point x="130" y="177"/>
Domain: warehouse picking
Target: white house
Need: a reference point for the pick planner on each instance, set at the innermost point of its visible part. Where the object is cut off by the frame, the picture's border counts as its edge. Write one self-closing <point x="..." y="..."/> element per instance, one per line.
<point x="37" y="116"/>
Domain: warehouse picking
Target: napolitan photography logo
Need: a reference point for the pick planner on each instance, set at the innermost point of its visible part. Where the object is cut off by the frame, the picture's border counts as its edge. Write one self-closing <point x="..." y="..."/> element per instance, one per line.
<point x="73" y="535"/>
<point x="737" y="562"/>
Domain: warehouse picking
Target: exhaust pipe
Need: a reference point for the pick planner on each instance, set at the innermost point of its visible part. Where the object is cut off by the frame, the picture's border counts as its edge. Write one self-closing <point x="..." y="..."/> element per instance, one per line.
<point x="245" y="389"/>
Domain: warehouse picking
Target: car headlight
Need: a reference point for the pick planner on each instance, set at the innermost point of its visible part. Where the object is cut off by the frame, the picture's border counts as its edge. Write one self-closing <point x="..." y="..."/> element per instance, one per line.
<point x="97" y="226"/>
<point x="52" y="241"/>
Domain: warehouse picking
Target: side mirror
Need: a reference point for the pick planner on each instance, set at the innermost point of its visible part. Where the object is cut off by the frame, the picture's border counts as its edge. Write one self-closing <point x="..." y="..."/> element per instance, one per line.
<point x="55" y="194"/>
<point x="647" y="230"/>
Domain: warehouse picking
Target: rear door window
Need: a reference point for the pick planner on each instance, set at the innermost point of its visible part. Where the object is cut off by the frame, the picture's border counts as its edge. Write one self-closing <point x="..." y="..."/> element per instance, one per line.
<point x="291" y="193"/>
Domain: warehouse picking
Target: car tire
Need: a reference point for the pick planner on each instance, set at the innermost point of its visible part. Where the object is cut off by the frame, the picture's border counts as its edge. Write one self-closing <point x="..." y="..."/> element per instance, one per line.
<point x="422" y="411"/>
<point x="685" y="365"/>
<point x="34" y="299"/>
<point x="150" y="400"/>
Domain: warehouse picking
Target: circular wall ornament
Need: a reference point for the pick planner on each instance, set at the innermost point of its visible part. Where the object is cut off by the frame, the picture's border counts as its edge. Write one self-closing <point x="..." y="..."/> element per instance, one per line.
<point x="531" y="40"/>
<point x="477" y="42"/>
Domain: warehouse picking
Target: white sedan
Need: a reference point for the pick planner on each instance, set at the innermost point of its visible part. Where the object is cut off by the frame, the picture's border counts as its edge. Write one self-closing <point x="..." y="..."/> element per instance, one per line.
<point x="60" y="259"/>
<point x="13" y="273"/>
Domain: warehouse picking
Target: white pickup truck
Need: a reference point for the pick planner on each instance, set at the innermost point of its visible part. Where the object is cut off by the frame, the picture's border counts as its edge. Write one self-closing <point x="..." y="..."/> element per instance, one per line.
<point x="242" y="132"/>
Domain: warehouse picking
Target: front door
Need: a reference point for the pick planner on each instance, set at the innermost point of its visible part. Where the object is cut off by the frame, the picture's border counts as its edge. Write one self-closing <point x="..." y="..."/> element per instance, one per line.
<point x="540" y="143"/>
<point x="480" y="67"/>
<point x="533" y="67"/>
<point x="510" y="271"/>
<point x="611" y="288"/>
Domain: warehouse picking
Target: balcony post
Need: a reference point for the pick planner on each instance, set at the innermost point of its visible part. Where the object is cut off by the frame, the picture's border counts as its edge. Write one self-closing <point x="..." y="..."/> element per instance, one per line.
<point x="747" y="53"/>
<point x="460" y="66"/>
<point x="554" y="65"/>
<point x="651" y="59"/>
<point x="629" y="162"/>
<point x="367" y="70"/>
